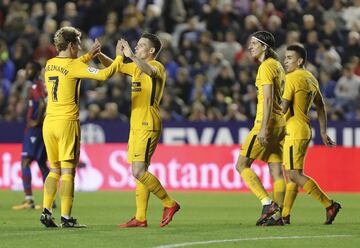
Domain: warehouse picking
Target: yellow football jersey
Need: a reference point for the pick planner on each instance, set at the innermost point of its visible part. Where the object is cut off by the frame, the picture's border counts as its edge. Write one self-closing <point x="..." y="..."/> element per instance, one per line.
<point x="62" y="80"/>
<point x="301" y="88"/>
<point x="146" y="93"/>
<point x="270" y="72"/>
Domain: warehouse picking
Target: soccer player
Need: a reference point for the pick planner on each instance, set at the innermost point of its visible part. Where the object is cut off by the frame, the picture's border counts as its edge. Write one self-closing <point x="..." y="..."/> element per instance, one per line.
<point x="33" y="147"/>
<point x="61" y="129"/>
<point x="265" y="139"/>
<point x="301" y="91"/>
<point x="148" y="82"/>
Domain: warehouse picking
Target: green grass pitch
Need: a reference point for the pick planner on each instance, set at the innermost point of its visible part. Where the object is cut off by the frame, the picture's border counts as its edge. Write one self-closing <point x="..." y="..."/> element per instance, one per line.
<point x="218" y="219"/>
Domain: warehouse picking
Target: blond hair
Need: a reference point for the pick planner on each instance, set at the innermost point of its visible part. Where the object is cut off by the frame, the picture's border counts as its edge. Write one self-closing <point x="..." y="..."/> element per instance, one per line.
<point x="64" y="36"/>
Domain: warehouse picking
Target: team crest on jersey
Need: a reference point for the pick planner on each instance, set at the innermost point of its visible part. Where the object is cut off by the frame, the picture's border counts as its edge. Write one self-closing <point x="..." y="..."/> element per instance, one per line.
<point x="93" y="70"/>
<point x="32" y="139"/>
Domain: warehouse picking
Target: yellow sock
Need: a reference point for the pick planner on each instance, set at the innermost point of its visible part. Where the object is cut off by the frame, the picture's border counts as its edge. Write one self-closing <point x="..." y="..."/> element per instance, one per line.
<point x="290" y="196"/>
<point x="50" y="189"/>
<point x="279" y="191"/>
<point x="66" y="194"/>
<point x="142" y="199"/>
<point x="314" y="190"/>
<point x="155" y="187"/>
<point x="253" y="182"/>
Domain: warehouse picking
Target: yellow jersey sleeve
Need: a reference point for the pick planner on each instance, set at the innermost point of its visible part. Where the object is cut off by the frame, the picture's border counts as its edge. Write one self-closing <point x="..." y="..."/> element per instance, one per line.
<point x="289" y="89"/>
<point x="267" y="73"/>
<point x="159" y="69"/>
<point x="85" y="58"/>
<point x="128" y="68"/>
<point x="82" y="70"/>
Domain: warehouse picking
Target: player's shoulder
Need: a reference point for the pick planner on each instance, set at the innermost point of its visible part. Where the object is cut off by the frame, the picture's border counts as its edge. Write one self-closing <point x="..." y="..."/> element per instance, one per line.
<point x="271" y="63"/>
<point x="156" y="63"/>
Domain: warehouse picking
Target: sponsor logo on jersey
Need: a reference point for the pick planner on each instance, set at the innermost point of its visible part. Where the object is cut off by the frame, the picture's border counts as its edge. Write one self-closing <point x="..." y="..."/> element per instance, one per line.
<point x="136" y="86"/>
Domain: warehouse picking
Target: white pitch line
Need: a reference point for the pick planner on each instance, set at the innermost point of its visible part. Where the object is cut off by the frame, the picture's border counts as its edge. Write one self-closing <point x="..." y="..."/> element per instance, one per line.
<point x="249" y="239"/>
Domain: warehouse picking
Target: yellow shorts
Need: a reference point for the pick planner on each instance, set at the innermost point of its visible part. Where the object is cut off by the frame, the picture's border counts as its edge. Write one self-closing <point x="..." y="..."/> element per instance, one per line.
<point x="62" y="140"/>
<point x="141" y="145"/>
<point x="294" y="153"/>
<point x="272" y="153"/>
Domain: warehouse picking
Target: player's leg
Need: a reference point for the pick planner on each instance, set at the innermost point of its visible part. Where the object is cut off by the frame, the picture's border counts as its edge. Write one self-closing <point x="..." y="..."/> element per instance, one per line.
<point x="252" y="180"/>
<point x="52" y="180"/>
<point x="142" y="199"/>
<point x="290" y="196"/>
<point x="142" y="145"/>
<point x="27" y="155"/>
<point x="279" y="183"/>
<point x="67" y="194"/>
<point x="26" y="180"/>
<point x="51" y="185"/>
<point x="250" y="151"/>
<point x="50" y="188"/>
<point x="275" y="161"/>
<point x="313" y="189"/>
<point x="41" y="158"/>
<point x="153" y="184"/>
<point x="69" y="152"/>
<point x="141" y="192"/>
<point x="297" y="153"/>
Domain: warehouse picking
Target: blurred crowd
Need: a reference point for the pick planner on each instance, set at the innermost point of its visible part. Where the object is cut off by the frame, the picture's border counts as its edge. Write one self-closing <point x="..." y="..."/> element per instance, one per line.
<point x="210" y="75"/>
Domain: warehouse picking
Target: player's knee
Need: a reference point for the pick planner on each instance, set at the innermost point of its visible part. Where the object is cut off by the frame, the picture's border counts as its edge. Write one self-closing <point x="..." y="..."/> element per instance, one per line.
<point x="241" y="165"/>
<point x="138" y="170"/>
<point x="55" y="170"/>
<point x="294" y="176"/>
<point x="25" y="162"/>
<point x="138" y="174"/>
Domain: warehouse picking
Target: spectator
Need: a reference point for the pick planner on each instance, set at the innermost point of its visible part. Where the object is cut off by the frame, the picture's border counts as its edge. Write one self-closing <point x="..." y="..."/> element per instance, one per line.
<point x="347" y="89"/>
<point x="229" y="47"/>
<point x="292" y="14"/>
<point x="352" y="47"/>
<point x="336" y="13"/>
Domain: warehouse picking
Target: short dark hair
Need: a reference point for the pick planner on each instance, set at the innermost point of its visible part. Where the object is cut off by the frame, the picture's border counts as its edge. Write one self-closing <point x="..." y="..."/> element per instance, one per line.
<point x="299" y="50"/>
<point x="36" y="69"/>
<point x="266" y="38"/>
<point x="36" y="66"/>
<point x="154" y="40"/>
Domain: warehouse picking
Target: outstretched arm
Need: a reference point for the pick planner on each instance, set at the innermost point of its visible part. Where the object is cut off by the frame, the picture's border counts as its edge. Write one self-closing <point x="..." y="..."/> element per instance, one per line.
<point x="104" y="60"/>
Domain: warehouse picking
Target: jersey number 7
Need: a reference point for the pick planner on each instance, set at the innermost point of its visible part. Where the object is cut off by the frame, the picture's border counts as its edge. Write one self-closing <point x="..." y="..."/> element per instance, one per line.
<point x="55" y="80"/>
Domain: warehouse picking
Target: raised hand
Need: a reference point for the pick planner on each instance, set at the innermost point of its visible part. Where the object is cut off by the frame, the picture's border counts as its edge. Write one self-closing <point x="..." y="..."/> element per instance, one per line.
<point x="95" y="50"/>
<point x="263" y="137"/>
<point x="327" y="140"/>
<point x="119" y="48"/>
<point x="127" y="49"/>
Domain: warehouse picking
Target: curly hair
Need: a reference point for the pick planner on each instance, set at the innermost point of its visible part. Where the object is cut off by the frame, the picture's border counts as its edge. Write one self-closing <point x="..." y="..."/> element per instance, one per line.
<point x="64" y="36"/>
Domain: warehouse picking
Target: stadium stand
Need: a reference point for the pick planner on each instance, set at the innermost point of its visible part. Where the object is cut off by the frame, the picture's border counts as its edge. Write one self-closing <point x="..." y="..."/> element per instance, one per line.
<point x="210" y="73"/>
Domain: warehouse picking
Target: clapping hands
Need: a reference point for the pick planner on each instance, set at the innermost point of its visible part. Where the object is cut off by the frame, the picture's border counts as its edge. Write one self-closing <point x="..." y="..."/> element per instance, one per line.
<point x="95" y="50"/>
<point x="124" y="48"/>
